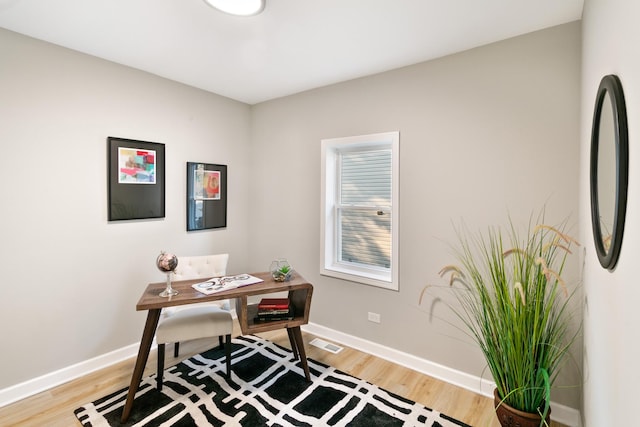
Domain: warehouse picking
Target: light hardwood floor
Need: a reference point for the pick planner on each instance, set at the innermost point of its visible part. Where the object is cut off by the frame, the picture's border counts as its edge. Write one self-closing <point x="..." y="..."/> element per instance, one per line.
<point x="55" y="407"/>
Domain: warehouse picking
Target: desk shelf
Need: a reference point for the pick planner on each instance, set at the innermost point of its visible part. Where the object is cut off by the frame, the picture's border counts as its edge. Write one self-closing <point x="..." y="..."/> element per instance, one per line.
<point x="299" y="297"/>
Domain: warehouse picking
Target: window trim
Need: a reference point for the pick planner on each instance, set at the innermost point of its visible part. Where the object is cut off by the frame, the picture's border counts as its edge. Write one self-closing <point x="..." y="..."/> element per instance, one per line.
<point x="329" y="266"/>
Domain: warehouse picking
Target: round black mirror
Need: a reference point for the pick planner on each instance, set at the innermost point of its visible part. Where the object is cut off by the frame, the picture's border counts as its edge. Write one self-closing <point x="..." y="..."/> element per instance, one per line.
<point x="609" y="170"/>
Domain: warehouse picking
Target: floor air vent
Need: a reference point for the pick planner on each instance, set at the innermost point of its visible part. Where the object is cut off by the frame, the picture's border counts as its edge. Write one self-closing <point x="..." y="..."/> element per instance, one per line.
<point x="330" y="347"/>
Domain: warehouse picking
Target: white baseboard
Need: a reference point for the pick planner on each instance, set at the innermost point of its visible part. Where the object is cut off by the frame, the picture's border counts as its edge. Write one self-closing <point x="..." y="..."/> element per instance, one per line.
<point x="560" y="413"/>
<point x="563" y="414"/>
<point x="37" y="385"/>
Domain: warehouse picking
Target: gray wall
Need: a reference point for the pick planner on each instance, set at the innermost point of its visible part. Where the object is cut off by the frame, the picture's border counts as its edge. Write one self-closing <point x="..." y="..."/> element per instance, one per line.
<point x="485" y="133"/>
<point x="611" y="315"/>
<point x="70" y="279"/>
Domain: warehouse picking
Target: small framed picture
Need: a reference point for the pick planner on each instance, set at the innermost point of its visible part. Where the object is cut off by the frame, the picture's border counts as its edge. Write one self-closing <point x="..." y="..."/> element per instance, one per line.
<point x="136" y="179"/>
<point x="206" y="185"/>
<point x="206" y="196"/>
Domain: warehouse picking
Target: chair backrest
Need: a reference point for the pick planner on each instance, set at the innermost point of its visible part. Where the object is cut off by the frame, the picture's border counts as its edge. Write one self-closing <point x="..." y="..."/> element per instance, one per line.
<point x="201" y="267"/>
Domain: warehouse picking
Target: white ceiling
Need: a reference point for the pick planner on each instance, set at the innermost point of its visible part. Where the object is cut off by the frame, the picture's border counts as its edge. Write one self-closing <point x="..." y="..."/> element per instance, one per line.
<point x="294" y="45"/>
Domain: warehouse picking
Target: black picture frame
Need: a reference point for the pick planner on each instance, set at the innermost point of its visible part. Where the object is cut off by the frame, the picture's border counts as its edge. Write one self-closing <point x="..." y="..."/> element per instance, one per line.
<point x="206" y="196"/>
<point x="136" y="179"/>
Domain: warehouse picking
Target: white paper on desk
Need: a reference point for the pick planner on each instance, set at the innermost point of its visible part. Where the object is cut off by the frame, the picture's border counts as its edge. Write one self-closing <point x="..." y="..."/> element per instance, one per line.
<point x="219" y="284"/>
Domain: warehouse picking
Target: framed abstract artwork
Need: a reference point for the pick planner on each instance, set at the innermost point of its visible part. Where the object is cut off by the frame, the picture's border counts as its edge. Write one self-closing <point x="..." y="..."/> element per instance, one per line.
<point x="206" y="196"/>
<point x="136" y="179"/>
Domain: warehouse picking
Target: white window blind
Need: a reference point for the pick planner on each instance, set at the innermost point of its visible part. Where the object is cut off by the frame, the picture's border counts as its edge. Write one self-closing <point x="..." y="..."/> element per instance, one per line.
<point x="364" y="208"/>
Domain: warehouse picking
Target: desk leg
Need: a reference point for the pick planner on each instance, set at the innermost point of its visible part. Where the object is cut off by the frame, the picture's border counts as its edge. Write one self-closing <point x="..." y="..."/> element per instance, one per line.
<point x="297" y="334"/>
<point x="143" y="354"/>
<point x="292" y="341"/>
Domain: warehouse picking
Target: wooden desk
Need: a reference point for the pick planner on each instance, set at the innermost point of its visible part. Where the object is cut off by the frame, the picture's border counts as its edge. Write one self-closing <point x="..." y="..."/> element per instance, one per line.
<point x="300" y="292"/>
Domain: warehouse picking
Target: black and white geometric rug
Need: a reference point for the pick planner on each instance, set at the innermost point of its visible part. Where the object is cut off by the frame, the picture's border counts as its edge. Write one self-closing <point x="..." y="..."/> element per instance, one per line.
<point x="267" y="388"/>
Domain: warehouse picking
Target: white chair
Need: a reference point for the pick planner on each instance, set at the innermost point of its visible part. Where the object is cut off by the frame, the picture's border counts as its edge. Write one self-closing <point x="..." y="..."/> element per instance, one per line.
<point x="195" y="321"/>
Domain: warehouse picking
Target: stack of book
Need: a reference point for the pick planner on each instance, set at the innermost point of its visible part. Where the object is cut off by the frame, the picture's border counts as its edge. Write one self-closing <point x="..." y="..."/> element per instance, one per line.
<point x="271" y="309"/>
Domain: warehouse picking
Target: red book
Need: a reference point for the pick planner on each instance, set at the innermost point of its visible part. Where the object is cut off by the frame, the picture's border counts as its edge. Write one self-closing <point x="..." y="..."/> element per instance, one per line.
<point x="273" y="304"/>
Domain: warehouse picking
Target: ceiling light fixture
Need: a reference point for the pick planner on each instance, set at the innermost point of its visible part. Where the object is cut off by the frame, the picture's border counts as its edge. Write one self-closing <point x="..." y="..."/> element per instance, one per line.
<point x="238" y="7"/>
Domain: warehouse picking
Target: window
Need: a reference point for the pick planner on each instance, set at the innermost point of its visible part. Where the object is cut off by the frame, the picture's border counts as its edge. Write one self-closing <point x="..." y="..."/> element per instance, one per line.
<point x="360" y="209"/>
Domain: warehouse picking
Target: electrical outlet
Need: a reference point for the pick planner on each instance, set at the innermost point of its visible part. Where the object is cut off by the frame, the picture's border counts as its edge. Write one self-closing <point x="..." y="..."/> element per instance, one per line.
<point x="373" y="317"/>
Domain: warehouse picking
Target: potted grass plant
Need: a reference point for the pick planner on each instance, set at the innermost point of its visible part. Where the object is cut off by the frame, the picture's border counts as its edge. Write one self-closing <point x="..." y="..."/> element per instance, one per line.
<point x="514" y="302"/>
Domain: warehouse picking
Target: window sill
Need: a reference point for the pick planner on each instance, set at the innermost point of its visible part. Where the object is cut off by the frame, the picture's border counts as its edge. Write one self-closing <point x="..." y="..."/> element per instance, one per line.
<point x="379" y="281"/>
